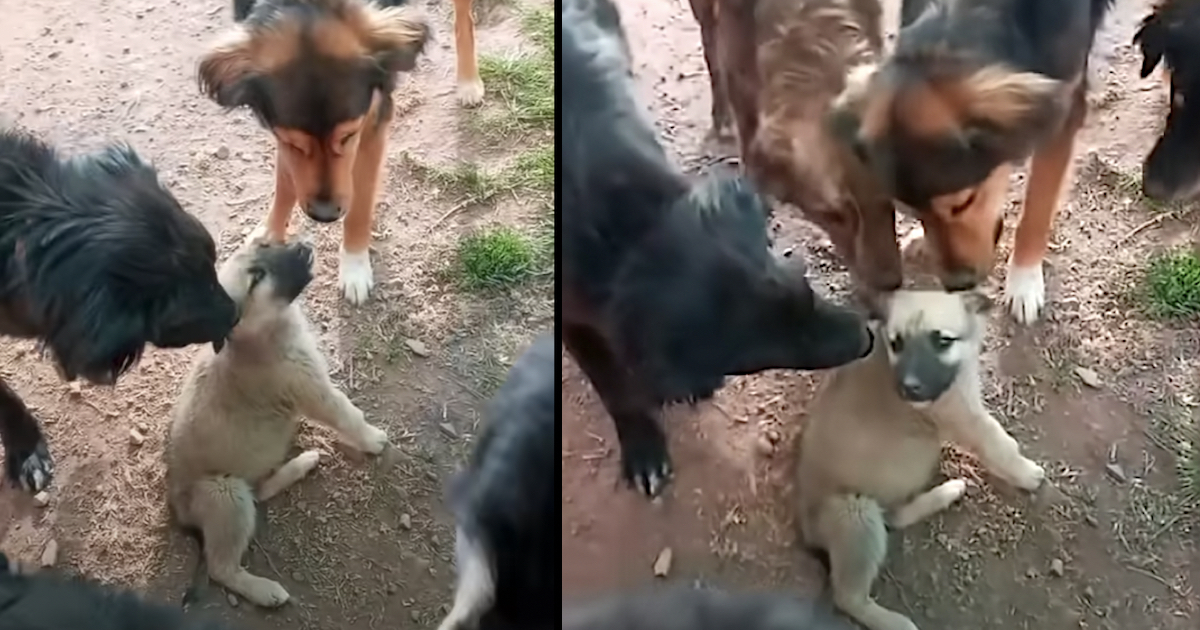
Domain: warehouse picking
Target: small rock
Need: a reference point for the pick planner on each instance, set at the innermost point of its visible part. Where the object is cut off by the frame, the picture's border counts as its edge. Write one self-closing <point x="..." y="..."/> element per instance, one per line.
<point x="41" y="499"/>
<point x="391" y="588"/>
<point x="1115" y="471"/>
<point x="222" y="153"/>
<point x="50" y="554"/>
<point x="76" y="389"/>
<point x="1031" y="573"/>
<point x="448" y="429"/>
<point x="405" y="521"/>
<point x="764" y="445"/>
<point x="1057" y="569"/>
<point x="297" y="576"/>
<point x="417" y="347"/>
<point x="232" y="599"/>
<point x="136" y="438"/>
<point x="1089" y="377"/>
<point x="662" y="564"/>
<point x="1091" y="520"/>
<point x="143" y="427"/>
<point x="416" y="616"/>
<point x="1089" y="593"/>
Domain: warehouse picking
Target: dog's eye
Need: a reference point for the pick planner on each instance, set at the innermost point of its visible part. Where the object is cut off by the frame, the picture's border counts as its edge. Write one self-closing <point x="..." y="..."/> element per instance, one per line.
<point x="897" y="344"/>
<point x="962" y="207"/>
<point x="942" y="341"/>
<point x="256" y="276"/>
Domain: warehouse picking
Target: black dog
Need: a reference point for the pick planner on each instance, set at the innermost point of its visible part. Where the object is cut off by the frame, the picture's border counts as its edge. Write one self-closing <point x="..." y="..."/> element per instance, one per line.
<point x="507" y="505"/>
<point x="1171" y="35"/>
<point x="669" y="287"/>
<point x="682" y="608"/>
<point x="46" y="601"/>
<point x="97" y="260"/>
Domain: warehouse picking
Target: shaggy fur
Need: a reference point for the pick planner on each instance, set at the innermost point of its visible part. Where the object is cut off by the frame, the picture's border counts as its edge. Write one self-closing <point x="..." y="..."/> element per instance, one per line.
<point x="780" y="64"/>
<point x="319" y="74"/>
<point x="507" y="504"/>
<point x="1170" y="35"/>
<point x="972" y="87"/>
<point x="239" y="412"/>
<point x="97" y="259"/>
<point x="684" y="608"/>
<point x="873" y="436"/>
<point x="669" y="286"/>
<point x="48" y="601"/>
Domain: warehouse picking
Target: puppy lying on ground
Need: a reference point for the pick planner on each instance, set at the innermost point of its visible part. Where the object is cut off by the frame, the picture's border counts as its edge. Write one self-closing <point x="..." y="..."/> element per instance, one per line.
<point x="683" y="608"/>
<point x="507" y="505"/>
<point x="669" y="285"/>
<point x="48" y="601"/>
<point x="873" y="440"/>
<point x="1170" y="35"/>
<point x="239" y="411"/>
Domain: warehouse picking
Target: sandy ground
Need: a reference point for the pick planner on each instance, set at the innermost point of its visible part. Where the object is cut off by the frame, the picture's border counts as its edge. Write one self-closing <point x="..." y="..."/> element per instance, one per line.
<point x="362" y="543"/>
<point x="1116" y="550"/>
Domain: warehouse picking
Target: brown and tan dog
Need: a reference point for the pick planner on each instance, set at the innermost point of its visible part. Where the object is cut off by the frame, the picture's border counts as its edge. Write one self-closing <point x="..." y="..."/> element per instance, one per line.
<point x="972" y="87"/>
<point x="319" y="74"/>
<point x="777" y="66"/>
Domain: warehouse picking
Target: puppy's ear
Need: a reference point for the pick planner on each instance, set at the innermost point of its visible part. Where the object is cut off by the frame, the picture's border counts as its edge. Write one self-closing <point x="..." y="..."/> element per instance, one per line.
<point x="396" y="36"/>
<point x="227" y="74"/>
<point x="978" y="302"/>
<point x="1151" y="37"/>
<point x="1006" y="99"/>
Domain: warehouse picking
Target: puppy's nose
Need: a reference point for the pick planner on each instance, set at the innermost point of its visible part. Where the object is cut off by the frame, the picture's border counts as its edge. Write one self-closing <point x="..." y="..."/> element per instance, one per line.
<point x="961" y="280"/>
<point x="911" y="387"/>
<point x="323" y="211"/>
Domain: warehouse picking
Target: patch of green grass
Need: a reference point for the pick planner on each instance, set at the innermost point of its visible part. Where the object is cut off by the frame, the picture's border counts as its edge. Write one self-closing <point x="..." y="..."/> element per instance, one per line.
<point x="538" y="25"/>
<point x="498" y="258"/>
<point x="1173" y="285"/>
<point x="466" y="181"/>
<point x="535" y="168"/>
<point x="524" y="83"/>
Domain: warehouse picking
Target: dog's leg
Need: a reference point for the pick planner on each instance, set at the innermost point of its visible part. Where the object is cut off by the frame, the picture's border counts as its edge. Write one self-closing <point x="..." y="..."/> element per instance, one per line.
<point x="326" y="404"/>
<point x="645" y="462"/>
<point x="705" y="12"/>
<point x="475" y="587"/>
<point x="1049" y="172"/>
<point x="224" y="508"/>
<point x="971" y="425"/>
<point x="355" y="275"/>
<point x="470" y="87"/>
<point x="737" y="58"/>
<point x="927" y="504"/>
<point x="287" y="475"/>
<point x="284" y="202"/>
<point x="853" y="531"/>
<point x="27" y="461"/>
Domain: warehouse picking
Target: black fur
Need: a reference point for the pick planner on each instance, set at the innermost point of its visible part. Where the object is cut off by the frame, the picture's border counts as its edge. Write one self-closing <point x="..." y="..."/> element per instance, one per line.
<point x="682" y="608"/>
<point x="1170" y="34"/>
<point x="97" y="260"/>
<point x="47" y="601"/>
<point x="508" y="497"/>
<point x="670" y="286"/>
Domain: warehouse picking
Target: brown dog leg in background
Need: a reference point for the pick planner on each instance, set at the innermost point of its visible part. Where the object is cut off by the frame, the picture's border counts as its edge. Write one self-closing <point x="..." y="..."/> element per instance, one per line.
<point x="470" y="87"/>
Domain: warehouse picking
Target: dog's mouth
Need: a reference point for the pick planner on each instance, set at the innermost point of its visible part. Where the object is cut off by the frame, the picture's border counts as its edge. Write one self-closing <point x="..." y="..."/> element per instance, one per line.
<point x="321" y="218"/>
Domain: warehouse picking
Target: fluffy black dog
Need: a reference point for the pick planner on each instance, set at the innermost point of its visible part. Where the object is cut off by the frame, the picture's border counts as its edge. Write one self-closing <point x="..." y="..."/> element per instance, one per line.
<point x="682" y="608"/>
<point x="669" y="286"/>
<point x="1170" y="35"/>
<point x="47" y="601"/>
<point x="97" y="260"/>
<point x="507" y="505"/>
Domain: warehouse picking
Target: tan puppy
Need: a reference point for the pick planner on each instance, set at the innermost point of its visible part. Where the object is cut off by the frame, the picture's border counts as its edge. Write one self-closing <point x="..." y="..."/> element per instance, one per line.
<point x="873" y="440"/>
<point x="240" y="409"/>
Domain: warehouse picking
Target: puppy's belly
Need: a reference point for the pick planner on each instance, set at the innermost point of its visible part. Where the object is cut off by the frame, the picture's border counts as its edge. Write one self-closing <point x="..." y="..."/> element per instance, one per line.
<point x="890" y="470"/>
<point x="249" y="450"/>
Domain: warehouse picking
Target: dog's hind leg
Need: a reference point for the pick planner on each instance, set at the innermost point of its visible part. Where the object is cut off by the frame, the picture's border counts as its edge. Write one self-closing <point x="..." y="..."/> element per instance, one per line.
<point x="475" y="586"/>
<point x="853" y="531"/>
<point x="470" y="87"/>
<point x="927" y="504"/>
<point x="223" y="509"/>
<point x="27" y="460"/>
<point x="1049" y="172"/>
<point x="284" y="201"/>
<point x="355" y="276"/>
<point x="287" y="475"/>
<point x="705" y="12"/>
<point x="645" y="462"/>
<point x="326" y="404"/>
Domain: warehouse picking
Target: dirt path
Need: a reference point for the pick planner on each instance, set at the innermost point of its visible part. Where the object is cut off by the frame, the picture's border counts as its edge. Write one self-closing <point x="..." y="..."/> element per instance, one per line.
<point x="463" y="283"/>
<point x="1117" y="551"/>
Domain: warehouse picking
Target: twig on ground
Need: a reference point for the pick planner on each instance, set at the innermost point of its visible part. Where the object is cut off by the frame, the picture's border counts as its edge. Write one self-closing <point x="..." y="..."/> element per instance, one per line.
<point x="1145" y="225"/>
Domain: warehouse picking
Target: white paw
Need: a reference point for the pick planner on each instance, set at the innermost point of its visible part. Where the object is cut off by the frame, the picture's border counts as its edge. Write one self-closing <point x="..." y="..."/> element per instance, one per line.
<point x="355" y="276"/>
<point x="265" y="593"/>
<point x="953" y="490"/>
<point x="373" y="440"/>
<point x="1025" y="293"/>
<point x="1030" y="476"/>
<point x="470" y="93"/>
<point x="307" y="461"/>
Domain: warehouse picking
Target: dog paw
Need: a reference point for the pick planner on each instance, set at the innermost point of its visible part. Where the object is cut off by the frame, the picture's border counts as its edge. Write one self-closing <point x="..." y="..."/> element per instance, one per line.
<point x="953" y="490"/>
<point x="31" y="470"/>
<point x="645" y="462"/>
<point x="355" y="276"/>
<point x="265" y="593"/>
<point x="470" y="92"/>
<point x="1025" y="293"/>
<point x="307" y="461"/>
<point x="1030" y="476"/>
<point x="373" y="440"/>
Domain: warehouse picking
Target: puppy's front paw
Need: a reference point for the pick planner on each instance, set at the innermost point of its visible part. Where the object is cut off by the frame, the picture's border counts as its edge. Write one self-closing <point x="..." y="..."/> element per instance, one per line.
<point x="645" y="462"/>
<point x="355" y="276"/>
<point x="1025" y="293"/>
<point x="265" y="593"/>
<point x="373" y="440"/>
<point x="1029" y="475"/>
<point x="31" y="469"/>
<point x="470" y="92"/>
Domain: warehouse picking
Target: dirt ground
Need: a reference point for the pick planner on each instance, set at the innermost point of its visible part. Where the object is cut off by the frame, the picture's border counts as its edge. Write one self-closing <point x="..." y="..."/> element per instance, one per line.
<point x="1115" y="550"/>
<point x="361" y="543"/>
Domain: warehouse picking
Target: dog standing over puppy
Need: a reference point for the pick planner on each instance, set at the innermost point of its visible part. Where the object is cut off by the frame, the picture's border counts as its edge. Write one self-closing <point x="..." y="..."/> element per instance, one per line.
<point x="319" y="74"/>
<point x="239" y="412"/>
<point x="873" y="438"/>
<point x="1170" y="35"/>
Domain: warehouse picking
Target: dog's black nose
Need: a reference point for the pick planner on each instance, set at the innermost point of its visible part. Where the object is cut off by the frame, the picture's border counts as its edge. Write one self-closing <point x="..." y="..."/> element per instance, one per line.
<point x="323" y="211"/>
<point x="911" y="388"/>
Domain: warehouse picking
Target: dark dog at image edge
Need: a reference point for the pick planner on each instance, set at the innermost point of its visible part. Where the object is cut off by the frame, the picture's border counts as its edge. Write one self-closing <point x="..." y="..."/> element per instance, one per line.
<point x="1170" y="35"/>
<point x="97" y="260"/>
<point x="670" y="286"/>
<point x="507" y="505"/>
<point x="48" y="601"/>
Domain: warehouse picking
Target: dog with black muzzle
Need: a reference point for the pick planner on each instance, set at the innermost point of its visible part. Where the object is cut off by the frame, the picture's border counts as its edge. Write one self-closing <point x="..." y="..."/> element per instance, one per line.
<point x="240" y="409"/>
<point x="872" y="441"/>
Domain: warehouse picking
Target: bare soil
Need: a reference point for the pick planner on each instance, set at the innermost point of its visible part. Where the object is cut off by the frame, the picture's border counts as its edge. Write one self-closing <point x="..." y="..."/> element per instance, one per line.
<point x="1115" y="548"/>
<point x="362" y="543"/>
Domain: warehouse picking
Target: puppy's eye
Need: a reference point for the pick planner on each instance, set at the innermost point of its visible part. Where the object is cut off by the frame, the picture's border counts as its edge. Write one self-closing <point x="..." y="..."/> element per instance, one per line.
<point x="962" y="207"/>
<point x="256" y="276"/>
<point x="942" y="341"/>
<point x="897" y="344"/>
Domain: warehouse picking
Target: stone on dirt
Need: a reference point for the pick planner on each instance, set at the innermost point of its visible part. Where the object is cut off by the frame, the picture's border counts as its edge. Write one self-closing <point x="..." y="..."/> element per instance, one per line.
<point x="50" y="554"/>
<point x="1057" y="569"/>
<point x="41" y="499"/>
<point x="417" y="347"/>
<point x="136" y="438"/>
<point x="662" y="564"/>
<point x="1089" y="377"/>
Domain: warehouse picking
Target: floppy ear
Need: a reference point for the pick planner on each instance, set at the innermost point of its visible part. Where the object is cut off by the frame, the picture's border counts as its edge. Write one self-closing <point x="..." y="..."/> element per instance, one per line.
<point x="227" y="74"/>
<point x="1005" y="98"/>
<point x="396" y="36"/>
<point x="977" y="302"/>
<point x="1150" y="37"/>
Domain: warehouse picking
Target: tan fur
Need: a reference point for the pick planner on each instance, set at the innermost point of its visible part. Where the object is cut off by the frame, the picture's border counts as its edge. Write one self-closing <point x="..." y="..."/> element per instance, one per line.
<point x="235" y="420"/>
<point x="866" y="461"/>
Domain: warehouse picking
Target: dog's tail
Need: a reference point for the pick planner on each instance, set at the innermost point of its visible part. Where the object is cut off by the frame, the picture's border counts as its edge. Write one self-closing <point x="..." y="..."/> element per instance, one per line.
<point x="199" y="582"/>
<point x="475" y="587"/>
